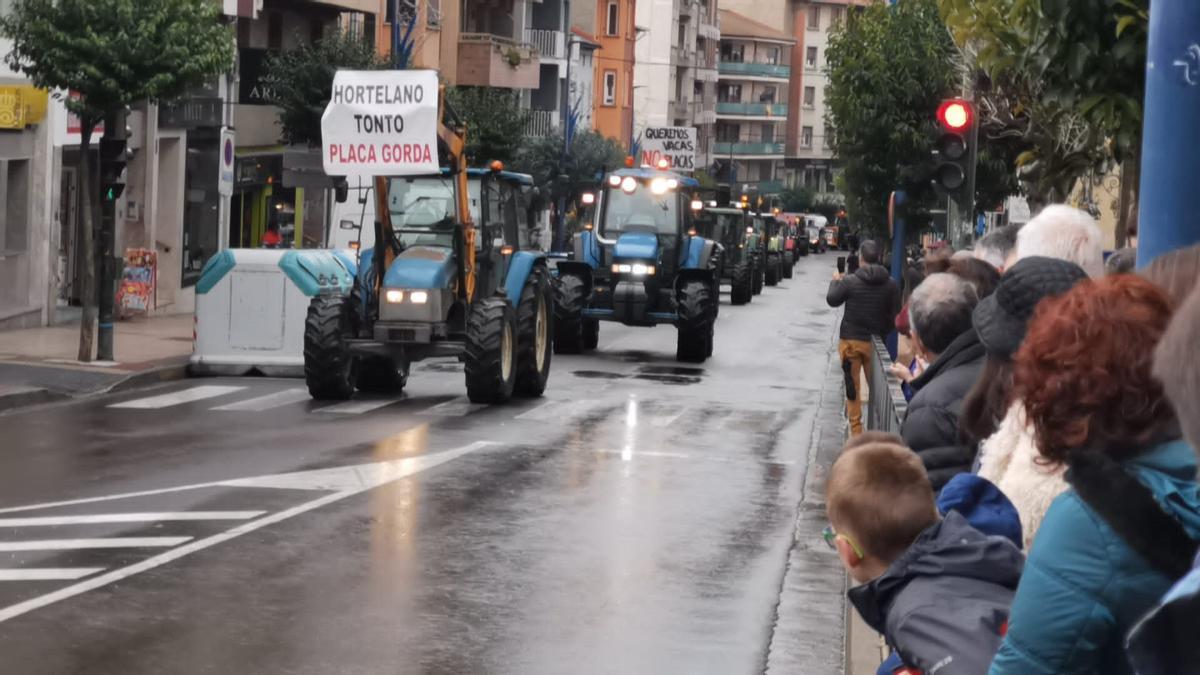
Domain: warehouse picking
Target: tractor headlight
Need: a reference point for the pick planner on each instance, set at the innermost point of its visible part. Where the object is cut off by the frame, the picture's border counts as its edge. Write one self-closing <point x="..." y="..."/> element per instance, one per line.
<point x="419" y="297"/>
<point x="659" y="186"/>
<point x="424" y="305"/>
<point x="394" y="296"/>
<point x="634" y="269"/>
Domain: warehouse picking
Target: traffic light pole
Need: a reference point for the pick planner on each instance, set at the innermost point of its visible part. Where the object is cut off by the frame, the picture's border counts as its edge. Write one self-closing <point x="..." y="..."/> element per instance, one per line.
<point x="1171" y="131"/>
<point x="972" y="164"/>
<point x="114" y="129"/>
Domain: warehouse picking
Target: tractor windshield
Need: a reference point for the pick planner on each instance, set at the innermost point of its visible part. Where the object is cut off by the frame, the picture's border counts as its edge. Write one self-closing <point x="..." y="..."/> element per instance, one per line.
<point x="423" y="210"/>
<point x="639" y="211"/>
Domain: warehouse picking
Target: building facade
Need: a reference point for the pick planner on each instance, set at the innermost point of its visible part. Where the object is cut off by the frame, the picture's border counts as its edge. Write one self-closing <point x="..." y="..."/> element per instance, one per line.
<point x="752" y="109"/>
<point x="611" y="25"/>
<point x="674" y="68"/>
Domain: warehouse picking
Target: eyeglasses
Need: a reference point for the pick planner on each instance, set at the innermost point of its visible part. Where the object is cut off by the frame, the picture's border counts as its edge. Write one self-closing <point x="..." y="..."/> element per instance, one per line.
<point x="831" y="536"/>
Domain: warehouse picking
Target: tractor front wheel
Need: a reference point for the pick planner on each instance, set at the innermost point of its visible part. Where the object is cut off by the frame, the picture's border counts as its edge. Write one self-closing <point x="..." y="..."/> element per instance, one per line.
<point x="569" y="298"/>
<point x="760" y="277"/>
<point x="772" y="273"/>
<point x="695" y="322"/>
<point x="741" y="284"/>
<point x="330" y="370"/>
<point x="491" y="352"/>
<point x="535" y="332"/>
<point x="789" y="261"/>
<point x="591" y="333"/>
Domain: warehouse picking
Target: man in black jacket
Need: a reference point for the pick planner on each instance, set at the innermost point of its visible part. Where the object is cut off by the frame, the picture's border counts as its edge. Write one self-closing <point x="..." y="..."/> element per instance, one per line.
<point x="872" y="300"/>
<point x="940" y="311"/>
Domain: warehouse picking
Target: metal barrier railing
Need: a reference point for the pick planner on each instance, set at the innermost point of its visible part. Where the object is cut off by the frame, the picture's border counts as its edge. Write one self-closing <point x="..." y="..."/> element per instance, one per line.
<point x="886" y="407"/>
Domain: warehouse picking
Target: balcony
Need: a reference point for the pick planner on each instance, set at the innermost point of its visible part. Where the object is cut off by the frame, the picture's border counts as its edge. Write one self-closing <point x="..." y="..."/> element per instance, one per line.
<point x="541" y="123"/>
<point x="486" y="60"/>
<point x="703" y="112"/>
<point x="765" y="70"/>
<point x="687" y="9"/>
<point x="753" y="109"/>
<point x="549" y="43"/>
<point x="724" y="149"/>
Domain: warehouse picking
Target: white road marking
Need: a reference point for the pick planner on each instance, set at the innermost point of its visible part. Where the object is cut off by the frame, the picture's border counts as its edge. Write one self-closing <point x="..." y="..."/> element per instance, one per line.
<point x="189" y="395"/>
<point x="455" y="407"/>
<point x="48" y="573"/>
<point x="663" y="421"/>
<point x="128" y="518"/>
<point x="362" y="478"/>
<point x="358" y="407"/>
<point x="276" y="400"/>
<point x="555" y="410"/>
<point x="108" y="542"/>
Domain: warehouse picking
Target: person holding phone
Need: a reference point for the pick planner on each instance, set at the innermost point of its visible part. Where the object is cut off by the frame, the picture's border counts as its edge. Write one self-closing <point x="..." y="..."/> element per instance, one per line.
<point x="872" y="300"/>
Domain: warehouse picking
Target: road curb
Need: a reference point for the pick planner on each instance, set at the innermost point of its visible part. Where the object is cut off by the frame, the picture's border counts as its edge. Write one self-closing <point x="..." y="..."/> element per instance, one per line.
<point x="168" y="372"/>
<point x="32" y="396"/>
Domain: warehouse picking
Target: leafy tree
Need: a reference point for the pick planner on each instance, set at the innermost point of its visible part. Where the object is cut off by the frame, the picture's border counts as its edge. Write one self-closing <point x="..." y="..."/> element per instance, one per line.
<point x="590" y="154"/>
<point x="495" y="122"/>
<point x="889" y="67"/>
<point x="1069" y="81"/>
<point x="113" y="53"/>
<point x="796" y="200"/>
<point x="301" y="81"/>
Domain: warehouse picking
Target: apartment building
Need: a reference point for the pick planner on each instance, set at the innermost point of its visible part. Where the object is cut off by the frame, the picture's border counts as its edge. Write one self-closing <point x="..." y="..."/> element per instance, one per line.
<point x="610" y="26"/>
<point x="675" y="75"/>
<point x="752" y="107"/>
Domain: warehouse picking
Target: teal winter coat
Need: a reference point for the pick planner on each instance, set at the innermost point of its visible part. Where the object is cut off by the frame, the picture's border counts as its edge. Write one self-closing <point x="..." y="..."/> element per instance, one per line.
<point x="1084" y="587"/>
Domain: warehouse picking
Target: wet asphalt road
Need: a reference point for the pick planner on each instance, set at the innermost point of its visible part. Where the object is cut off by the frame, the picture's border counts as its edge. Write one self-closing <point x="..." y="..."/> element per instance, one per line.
<point x="637" y="519"/>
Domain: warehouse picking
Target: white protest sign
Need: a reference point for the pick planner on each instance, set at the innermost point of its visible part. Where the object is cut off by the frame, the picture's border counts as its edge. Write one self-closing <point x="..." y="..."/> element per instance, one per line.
<point x="381" y="122"/>
<point x="675" y="144"/>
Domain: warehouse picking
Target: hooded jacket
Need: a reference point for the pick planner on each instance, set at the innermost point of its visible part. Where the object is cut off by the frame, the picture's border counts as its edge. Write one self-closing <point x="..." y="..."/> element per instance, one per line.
<point x="1164" y="643"/>
<point x="1084" y="585"/>
<point x="930" y="426"/>
<point x="944" y="603"/>
<point x="872" y="300"/>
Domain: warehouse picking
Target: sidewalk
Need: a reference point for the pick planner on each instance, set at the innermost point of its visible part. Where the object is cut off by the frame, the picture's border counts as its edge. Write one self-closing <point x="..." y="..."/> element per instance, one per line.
<point x="39" y="364"/>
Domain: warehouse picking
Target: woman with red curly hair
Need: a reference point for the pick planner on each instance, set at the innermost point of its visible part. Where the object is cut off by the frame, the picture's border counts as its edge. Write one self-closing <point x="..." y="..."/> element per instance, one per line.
<point x="1111" y="545"/>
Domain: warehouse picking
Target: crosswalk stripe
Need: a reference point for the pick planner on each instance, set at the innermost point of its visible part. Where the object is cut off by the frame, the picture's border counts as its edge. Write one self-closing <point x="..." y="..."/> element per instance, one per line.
<point x="275" y="400"/>
<point x="109" y="542"/>
<point x="358" y="407"/>
<point x="555" y="410"/>
<point x="42" y="521"/>
<point x="48" y="573"/>
<point x="189" y="395"/>
<point x="663" y="421"/>
<point x="455" y="407"/>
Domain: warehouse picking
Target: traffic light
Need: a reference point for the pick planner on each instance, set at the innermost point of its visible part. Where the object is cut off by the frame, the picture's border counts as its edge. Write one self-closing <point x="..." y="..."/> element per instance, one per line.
<point x="114" y="163"/>
<point x="954" y="146"/>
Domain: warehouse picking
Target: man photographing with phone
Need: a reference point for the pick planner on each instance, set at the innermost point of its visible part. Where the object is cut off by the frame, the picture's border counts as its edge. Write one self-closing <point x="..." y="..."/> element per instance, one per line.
<point x="872" y="300"/>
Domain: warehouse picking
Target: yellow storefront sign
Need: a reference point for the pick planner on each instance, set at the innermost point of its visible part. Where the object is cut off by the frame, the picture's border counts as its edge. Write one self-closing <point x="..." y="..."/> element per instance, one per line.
<point x="22" y="105"/>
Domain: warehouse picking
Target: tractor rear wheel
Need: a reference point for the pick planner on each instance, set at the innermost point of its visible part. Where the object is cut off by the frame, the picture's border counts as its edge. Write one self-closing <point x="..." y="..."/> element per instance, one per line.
<point x="330" y="370"/>
<point x="535" y="333"/>
<point x="591" y="334"/>
<point x="772" y="273"/>
<point x="491" y="352"/>
<point x="789" y="261"/>
<point x="380" y="375"/>
<point x="694" y="342"/>
<point x="759" y="277"/>
<point x="568" y="314"/>
<point x="741" y="284"/>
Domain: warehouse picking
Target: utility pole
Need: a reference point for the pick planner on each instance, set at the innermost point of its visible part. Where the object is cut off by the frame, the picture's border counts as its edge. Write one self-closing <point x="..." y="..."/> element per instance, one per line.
<point x="114" y="161"/>
<point x="1171" y="131"/>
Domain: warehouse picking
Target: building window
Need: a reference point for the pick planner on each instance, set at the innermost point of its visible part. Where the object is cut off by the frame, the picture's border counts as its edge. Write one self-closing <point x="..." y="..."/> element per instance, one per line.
<point x="729" y="93"/>
<point x="810" y="97"/>
<point x="810" y="57"/>
<point x="613" y="27"/>
<point x="767" y="95"/>
<point x="728" y="133"/>
<point x="806" y="134"/>
<point x="14" y="229"/>
<point x="768" y="133"/>
<point x="772" y="56"/>
<point x="836" y="14"/>
<point x="814" y="17"/>
<point x="732" y="53"/>
<point x="610" y="87"/>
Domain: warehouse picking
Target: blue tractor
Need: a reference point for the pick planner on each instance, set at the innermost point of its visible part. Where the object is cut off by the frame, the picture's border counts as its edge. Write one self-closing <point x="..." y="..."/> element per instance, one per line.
<point x="640" y="261"/>
<point x="436" y="283"/>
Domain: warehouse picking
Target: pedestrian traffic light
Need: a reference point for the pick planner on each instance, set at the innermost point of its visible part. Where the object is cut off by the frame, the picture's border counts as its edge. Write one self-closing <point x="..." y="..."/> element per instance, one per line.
<point x="953" y="151"/>
<point x="114" y="163"/>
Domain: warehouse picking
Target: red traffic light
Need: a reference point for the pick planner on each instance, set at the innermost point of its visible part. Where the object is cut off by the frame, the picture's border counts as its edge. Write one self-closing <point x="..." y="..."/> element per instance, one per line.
<point x="955" y="114"/>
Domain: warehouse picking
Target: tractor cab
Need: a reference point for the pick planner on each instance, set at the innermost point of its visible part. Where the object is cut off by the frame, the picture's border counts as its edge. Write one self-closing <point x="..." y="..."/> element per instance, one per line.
<point x="732" y="230"/>
<point x="813" y="226"/>
<point x="640" y="260"/>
